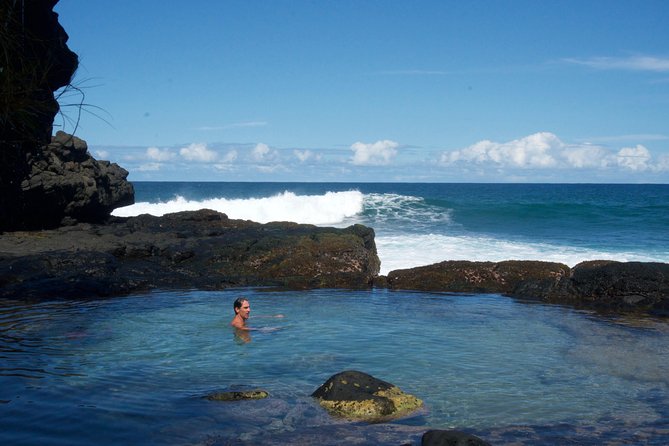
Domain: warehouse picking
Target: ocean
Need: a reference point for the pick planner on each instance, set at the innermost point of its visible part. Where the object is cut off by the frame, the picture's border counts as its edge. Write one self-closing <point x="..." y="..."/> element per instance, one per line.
<point x="420" y="224"/>
<point x="137" y="369"/>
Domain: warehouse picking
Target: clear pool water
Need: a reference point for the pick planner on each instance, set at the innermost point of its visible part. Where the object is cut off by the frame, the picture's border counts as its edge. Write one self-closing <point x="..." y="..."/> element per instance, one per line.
<point x="134" y="370"/>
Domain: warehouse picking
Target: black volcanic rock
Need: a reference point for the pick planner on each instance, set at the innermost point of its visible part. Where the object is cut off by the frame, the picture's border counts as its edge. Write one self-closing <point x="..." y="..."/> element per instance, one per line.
<point x="617" y="286"/>
<point x="463" y="276"/>
<point x="67" y="185"/>
<point x="437" y="437"/>
<point x="186" y="250"/>
<point x="358" y="396"/>
<point x="601" y="285"/>
<point x="35" y="63"/>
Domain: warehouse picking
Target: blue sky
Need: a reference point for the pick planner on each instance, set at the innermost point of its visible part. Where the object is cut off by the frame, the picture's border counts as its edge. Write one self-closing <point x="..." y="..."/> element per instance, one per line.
<point x="434" y="91"/>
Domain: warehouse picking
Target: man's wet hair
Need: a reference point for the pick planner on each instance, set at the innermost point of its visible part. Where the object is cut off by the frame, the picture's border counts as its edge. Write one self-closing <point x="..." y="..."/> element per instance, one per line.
<point x="238" y="302"/>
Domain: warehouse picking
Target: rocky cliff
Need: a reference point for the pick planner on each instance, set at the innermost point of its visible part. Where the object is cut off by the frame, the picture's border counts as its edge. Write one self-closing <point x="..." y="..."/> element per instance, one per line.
<point x="66" y="185"/>
<point x="45" y="182"/>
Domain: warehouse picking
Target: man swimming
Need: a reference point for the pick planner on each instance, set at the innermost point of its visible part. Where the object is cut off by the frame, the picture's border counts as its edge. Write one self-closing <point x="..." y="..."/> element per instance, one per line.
<point x="242" y="312"/>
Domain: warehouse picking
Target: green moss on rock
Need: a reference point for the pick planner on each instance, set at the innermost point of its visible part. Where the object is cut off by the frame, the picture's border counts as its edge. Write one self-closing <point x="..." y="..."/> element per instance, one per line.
<point x="357" y="396"/>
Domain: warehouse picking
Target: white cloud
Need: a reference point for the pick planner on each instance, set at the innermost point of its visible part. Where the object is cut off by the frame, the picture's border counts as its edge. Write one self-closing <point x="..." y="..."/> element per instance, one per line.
<point x="260" y="152"/>
<point x="545" y="150"/>
<point x="225" y="163"/>
<point x="102" y="154"/>
<point x="633" y="158"/>
<point x="198" y="152"/>
<point x="636" y="63"/>
<point x="585" y="156"/>
<point x="270" y="169"/>
<point x="156" y="154"/>
<point x="378" y="153"/>
<point x="663" y="163"/>
<point x="303" y="155"/>
<point x="530" y="151"/>
<point x="149" y="167"/>
<point x="229" y="157"/>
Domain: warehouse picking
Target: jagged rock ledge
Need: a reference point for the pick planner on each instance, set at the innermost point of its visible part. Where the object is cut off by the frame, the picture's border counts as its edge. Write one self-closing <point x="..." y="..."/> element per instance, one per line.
<point x="599" y="285"/>
<point x="207" y="250"/>
<point x="186" y="250"/>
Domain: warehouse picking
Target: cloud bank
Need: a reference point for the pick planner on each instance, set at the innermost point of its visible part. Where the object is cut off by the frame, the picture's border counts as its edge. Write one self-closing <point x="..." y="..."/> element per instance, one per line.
<point x="633" y="63"/>
<point x="545" y="150"/>
<point x="198" y="152"/>
<point x="379" y="153"/>
<point x="538" y="157"/>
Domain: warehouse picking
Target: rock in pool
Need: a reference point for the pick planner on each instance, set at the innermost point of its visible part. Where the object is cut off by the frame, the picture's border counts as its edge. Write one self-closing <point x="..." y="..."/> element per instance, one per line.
<point x="256" y="394"/>
<point x="436" y="437"/>
<point x="358" y="396"/>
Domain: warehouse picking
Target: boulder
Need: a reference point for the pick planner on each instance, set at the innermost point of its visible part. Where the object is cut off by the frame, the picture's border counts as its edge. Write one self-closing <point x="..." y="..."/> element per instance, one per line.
<point x="66" y="185"/>
<point x="438" y="437"/>
<point x="600" y="285"/>
<point x="616" y="286"/>
<point x="358" y="396"/>
<point x="186" y="250"/>
<point x="479" y="277"/>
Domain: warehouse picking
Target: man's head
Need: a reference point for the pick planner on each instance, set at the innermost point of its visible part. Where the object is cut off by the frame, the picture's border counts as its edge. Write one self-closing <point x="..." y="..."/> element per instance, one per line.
<point x="242" y="307"/>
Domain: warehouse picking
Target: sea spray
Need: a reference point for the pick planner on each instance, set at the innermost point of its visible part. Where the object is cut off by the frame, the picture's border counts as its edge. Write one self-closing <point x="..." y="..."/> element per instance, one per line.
<point x="330" y="208"/>
<point x="403" y="251"/>
<point x="421" y="224"/>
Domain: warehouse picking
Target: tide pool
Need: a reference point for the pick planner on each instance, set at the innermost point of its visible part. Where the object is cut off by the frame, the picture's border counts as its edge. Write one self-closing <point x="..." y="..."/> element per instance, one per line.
<point x="134" y="370"/>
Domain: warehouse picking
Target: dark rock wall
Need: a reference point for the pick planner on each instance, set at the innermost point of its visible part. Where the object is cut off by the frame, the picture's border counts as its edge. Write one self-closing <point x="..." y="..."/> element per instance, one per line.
<point x="45" y="182"/>
<point x="66" y="185"/>
<point x="35" y="62"/>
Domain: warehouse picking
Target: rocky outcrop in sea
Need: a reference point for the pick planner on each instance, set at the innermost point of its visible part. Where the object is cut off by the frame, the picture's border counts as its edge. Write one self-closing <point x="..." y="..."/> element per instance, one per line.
<point x="600" y="285"/>
<point x="67" y="185"/>
<point x="186" y="250"/>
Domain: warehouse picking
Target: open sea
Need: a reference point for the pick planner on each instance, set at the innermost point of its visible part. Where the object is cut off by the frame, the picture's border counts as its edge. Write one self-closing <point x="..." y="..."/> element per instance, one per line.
<point x="135" y="369"/>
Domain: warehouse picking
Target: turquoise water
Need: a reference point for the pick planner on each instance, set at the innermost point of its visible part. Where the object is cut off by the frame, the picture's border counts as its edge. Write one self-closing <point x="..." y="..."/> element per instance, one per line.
<point x="134" y="370"/>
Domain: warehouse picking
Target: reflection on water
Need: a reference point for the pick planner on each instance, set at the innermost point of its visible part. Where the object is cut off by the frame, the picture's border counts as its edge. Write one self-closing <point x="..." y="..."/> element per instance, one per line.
<point x="134" y="369"/>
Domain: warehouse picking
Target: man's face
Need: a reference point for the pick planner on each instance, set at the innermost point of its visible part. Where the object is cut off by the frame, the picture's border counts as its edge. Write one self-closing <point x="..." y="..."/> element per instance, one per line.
<point x="245" y="310"/>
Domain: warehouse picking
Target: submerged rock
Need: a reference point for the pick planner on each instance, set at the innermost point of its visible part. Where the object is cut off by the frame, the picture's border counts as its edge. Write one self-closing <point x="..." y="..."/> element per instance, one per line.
<point x="438" y="437"/>
<point x="239" y="395"/>
<point x="358" y="396"/>
<point x="186" y="250"/>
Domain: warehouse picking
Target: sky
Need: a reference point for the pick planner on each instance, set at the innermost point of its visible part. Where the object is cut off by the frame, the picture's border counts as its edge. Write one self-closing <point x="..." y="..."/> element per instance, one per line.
<point x="372" y="91"/>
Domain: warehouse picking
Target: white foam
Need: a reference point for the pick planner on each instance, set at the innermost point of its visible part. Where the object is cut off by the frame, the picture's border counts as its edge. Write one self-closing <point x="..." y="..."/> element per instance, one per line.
<point x="387" y="214"/>
<point x="331" y="208"/>
<point x="395" y="210"/>
<point x="408" y="251"/>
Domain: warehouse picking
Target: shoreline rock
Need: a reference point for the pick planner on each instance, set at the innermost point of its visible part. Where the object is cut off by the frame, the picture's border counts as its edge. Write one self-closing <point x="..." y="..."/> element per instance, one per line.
<point x="598" y="285"/>
<point x="206" y="250"/>
<point x="185" y="250"/>
<point x="67" y="185"/>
